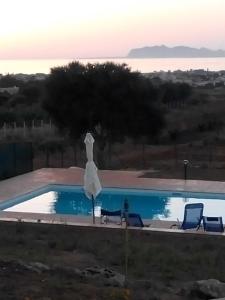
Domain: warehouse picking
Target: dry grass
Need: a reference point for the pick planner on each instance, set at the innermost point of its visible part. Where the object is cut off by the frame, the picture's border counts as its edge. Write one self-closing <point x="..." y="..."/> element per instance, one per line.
<point x="159" y="259"/>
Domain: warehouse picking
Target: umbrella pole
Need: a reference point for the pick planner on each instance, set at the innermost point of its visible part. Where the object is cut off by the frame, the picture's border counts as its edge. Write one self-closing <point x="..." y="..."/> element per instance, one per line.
<point x="93" y="208"/>
<point x="126" y="210"/>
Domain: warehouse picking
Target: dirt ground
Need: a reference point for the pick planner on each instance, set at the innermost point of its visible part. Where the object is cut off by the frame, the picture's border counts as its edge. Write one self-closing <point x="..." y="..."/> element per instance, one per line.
<point x="178" y="172"/>
<point x="159" y="168"/>
<point x="159" y="264"/>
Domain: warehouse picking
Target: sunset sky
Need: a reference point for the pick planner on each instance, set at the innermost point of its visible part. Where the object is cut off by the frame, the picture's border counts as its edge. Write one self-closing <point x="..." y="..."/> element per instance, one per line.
<point x="106" y="28"/>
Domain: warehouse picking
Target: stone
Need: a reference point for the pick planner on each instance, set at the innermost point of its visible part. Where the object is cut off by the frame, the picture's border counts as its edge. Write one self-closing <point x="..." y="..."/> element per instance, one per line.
<point x="210" y="288"/>
<point x="104" y="276"/>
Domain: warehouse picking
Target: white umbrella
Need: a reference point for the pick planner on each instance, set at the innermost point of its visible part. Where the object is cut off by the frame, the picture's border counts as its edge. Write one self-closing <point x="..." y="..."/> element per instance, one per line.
<point x="92" y="185"/>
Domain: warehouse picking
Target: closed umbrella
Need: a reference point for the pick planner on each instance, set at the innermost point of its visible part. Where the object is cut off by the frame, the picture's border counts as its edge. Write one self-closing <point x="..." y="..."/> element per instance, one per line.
<point x="92" y="185"/>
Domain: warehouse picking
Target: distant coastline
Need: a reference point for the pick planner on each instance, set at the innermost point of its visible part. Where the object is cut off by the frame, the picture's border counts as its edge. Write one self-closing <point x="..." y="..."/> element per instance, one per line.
<point x="174" y="52"/>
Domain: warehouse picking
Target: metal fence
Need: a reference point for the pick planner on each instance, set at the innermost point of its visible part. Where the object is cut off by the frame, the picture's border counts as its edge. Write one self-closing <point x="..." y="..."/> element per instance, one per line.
<point x="26" y="128"/>
<point x="15" y="159"/>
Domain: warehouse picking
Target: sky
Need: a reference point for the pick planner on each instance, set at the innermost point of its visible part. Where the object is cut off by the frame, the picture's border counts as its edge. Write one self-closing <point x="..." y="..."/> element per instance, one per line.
<point x="106" y="28"/>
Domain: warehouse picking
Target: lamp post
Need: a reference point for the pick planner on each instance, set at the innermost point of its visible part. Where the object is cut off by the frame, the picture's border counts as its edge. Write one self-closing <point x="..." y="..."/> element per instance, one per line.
<point x="186" y="162"/>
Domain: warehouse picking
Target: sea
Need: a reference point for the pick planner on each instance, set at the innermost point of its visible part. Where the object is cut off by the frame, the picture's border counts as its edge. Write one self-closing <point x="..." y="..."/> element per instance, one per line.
<point x="143" y="65"/>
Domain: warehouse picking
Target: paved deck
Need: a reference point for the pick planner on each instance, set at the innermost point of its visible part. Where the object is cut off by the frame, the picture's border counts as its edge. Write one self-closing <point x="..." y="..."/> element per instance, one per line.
<point x="25" y="183"/>
<point x="28" y="182"/>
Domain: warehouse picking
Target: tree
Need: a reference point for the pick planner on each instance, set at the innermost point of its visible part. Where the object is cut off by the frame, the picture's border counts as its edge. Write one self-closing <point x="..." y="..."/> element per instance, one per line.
<point x="175" y="94"/>
<point x="31" y="92"/>
<point x="107" y="99"/>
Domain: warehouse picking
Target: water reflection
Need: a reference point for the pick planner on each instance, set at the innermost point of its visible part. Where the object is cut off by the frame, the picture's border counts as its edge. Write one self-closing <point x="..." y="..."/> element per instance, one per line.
<point x="161" y="206"/>
<point x="44" y="204"/>
<point x="212" y="207"/>
<point x="73" y="203"/>
<point x="147" y="206"/>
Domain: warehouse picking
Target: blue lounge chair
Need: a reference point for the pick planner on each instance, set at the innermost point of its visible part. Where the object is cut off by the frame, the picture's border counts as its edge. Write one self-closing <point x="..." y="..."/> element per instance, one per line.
<point x="111" y="216"/>
<point x="192" y="216"/>
<point x="213" y="224"/>
<point x="134" y="220"/>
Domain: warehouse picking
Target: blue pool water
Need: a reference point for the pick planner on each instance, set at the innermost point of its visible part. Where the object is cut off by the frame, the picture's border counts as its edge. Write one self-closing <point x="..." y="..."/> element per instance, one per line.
<point x="150" y="204"/>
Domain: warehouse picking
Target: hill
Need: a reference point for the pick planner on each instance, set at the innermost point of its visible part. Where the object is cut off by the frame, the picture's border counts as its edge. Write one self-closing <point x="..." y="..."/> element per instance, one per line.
<point x="179" y="51"/>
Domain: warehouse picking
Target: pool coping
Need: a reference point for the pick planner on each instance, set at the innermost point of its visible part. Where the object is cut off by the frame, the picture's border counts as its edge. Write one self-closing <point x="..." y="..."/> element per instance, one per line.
<point x="55" y="186"/>
<point x="26" y="183"/>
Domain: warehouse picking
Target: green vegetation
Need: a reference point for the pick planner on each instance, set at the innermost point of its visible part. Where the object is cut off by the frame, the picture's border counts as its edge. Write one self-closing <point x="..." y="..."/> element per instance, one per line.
<point x="24" y="105"/>
<point x="107" y="99"/>
<point x="137" y="122"/>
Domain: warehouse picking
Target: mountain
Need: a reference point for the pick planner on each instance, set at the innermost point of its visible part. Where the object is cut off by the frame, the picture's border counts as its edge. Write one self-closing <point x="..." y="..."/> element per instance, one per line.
<point x="179" y="51"/>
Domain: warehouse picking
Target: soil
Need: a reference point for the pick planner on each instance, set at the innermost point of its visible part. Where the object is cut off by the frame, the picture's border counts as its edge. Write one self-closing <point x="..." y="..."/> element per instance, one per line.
<point x="159" y="264"/>
<point x="192" y="172"/>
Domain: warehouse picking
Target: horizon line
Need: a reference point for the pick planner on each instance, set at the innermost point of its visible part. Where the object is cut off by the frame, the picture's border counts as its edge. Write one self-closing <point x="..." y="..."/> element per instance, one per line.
<point x="62" y="58"/>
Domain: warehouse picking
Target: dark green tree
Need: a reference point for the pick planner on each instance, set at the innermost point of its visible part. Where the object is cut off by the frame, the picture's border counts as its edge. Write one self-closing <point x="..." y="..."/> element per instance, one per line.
<point x="31" y="92"/>
<point x="106" y="99"/>
<point x="175" y="94"/>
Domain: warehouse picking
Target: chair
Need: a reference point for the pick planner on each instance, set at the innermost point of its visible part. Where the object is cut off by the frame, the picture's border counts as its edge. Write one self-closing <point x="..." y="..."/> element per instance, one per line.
<point x="134" y="220"/>
<point x="192" y="216"/>
<point x="111" y="216"/>
<point x="213" y="224"/>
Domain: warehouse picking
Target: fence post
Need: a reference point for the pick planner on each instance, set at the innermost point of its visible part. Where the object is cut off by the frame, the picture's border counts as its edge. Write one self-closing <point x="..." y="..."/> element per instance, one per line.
<point x="4" y="129"/>
<point x="14" y="159"/>
<point x="24" y="128"/>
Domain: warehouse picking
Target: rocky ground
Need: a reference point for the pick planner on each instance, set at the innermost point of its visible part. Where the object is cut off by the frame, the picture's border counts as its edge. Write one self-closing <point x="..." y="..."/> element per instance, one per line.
<point x="42" y="261"/>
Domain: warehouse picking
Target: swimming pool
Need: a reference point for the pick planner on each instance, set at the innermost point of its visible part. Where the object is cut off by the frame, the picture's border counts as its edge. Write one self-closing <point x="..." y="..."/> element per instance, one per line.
<point x="150" y="204"/>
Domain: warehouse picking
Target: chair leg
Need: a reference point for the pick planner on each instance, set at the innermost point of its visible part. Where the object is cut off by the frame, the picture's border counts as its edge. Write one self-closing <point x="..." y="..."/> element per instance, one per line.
<point x="173" y="225"/>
